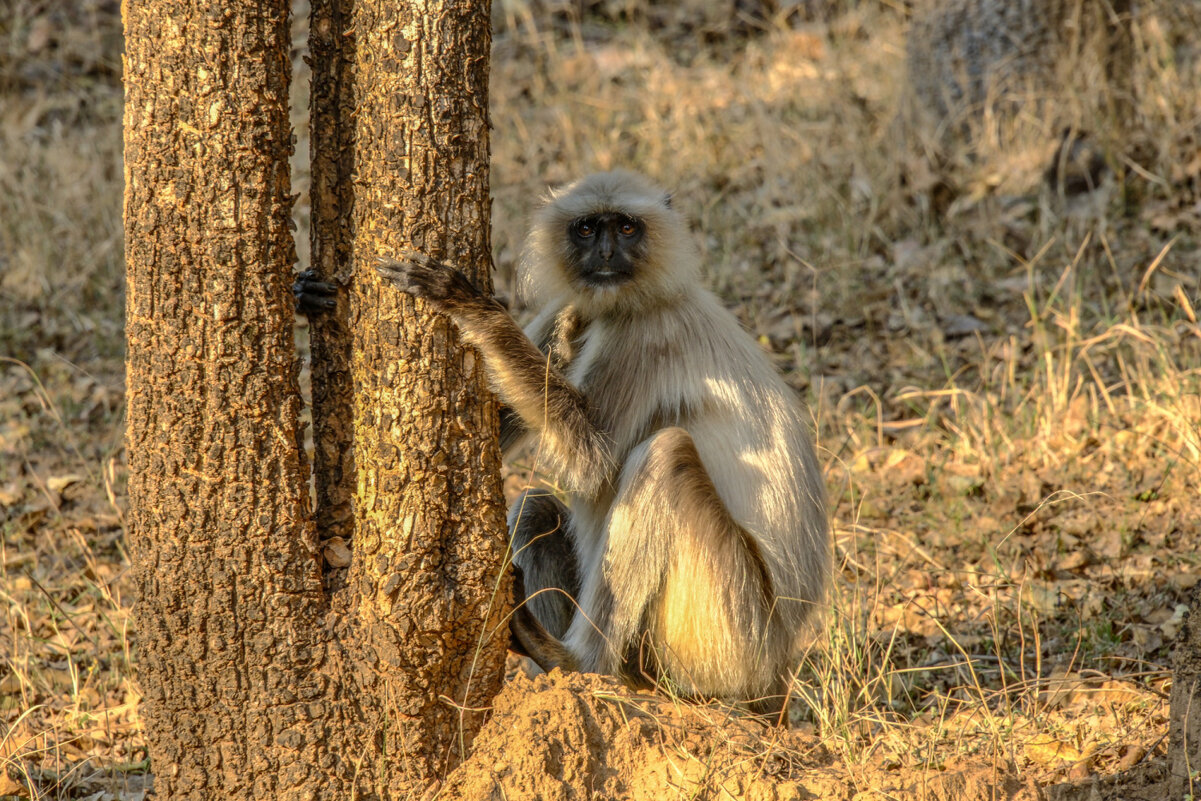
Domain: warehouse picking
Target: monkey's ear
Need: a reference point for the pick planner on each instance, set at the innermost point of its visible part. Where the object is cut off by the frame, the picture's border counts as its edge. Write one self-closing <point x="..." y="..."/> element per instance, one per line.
<point x="667" y="199"/>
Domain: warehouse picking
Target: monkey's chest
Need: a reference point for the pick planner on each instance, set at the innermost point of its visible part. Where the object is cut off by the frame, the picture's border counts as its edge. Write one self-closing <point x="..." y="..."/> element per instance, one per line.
<point x="633" y="391"/>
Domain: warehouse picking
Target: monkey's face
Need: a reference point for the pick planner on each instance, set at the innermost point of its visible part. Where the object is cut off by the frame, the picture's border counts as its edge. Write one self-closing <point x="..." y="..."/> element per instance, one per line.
<point x="605" y="249"/>
<point x="609" y="242"/>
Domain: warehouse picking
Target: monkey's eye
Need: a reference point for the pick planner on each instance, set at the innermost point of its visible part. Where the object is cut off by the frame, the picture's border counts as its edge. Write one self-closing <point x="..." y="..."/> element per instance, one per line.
<point x="585" y="229"/>
<point x="628" y="228"/>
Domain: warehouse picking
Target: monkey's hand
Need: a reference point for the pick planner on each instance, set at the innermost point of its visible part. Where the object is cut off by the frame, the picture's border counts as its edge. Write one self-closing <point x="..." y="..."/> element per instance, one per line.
<point x="313" y="296"/>
<point x="440" y="285"/>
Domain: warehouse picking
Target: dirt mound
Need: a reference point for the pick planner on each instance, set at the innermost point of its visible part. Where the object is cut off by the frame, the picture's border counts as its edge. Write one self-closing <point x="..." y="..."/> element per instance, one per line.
<point x="1144" y="782"/>
<point x="573" y="736"/>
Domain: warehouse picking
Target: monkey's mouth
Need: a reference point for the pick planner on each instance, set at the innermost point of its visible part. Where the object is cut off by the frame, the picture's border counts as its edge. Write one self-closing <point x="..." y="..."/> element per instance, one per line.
<point x="599" y="279"/>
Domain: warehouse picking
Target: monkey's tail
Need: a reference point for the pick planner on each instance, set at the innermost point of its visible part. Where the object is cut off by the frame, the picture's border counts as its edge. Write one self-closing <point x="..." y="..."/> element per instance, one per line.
<point x="530" y="637"/>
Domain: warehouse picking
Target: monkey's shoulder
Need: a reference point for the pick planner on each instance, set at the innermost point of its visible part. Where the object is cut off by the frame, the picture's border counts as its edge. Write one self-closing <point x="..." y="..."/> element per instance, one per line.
<point x="684" y="357"/>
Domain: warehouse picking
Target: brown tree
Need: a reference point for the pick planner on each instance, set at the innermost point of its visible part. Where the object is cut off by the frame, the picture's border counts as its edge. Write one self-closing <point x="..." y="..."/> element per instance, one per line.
<point x="1184" y="726"/>
<point x="259" y="682"/>
<point x="331" y="200"/>
<point x="429" y="519"/>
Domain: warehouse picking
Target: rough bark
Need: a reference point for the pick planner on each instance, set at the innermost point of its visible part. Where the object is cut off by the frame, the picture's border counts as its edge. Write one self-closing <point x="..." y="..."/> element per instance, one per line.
<point x="331" y="125"/>
<point x="1184" y="726"/>
<point x="429" y="539"/>
<point x="256" y="685"/>
<point x="238" y="676"/>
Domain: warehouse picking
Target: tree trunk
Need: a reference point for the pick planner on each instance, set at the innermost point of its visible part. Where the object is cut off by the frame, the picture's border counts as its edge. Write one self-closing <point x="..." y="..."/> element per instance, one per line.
<point x="230" y="647"/>
<point x="429" y="518"/>
<point x="331" y="134"/>
<point x="1184" y="726"/>
<point x="257" y="684"/>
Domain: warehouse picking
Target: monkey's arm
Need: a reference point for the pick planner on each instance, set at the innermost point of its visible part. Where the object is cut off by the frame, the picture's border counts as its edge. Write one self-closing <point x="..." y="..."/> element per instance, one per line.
<point x="525" y="378"/>
<point x="314" y="296"/>
<point x="511" y="429"/>
<point x="555" y="336"/>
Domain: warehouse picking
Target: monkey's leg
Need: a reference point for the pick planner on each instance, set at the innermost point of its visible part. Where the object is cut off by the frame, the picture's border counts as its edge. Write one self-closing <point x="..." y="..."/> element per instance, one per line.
<point x="546" y="579"/>
<point x="543" y="550"/>
<point x="680" y="588"/>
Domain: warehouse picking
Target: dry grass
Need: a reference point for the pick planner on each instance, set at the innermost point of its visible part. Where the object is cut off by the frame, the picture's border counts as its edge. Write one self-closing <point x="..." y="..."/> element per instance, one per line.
<point x="1008" y="398"/>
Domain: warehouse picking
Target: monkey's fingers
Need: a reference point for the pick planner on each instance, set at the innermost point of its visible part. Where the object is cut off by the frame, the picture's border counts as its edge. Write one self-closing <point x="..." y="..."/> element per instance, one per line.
<point x="394" y="272"/>
<point x="313" y="295"/>
<point x="420" y="259"/>
<point x="409" y="276"/>
<point x="518" y="582"/>
<point x="431" y="280"/>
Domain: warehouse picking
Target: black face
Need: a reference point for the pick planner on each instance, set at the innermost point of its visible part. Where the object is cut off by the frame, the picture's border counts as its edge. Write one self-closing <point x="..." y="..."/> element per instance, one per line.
<point x="606" y="248"/>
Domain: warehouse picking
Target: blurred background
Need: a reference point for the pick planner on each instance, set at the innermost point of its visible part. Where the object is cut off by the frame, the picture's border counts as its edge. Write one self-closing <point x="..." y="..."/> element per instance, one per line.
<point x="967" y="231"/>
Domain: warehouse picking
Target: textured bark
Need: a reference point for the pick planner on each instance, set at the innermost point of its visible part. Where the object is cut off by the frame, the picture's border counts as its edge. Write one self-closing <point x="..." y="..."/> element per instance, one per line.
<point x="331" y="125"/>
<point x="1184" y="725"/>
<point x="239" y="677"/>
<point x="256" y="685"/>
<point x="429" y="539"/>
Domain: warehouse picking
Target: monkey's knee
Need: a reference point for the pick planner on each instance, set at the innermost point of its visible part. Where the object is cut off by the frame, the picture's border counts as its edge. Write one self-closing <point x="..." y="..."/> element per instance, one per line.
<point x="668" y="453"/>
<point x="543" y="550"/>
<point x="672" y="440"/>
<point x="665" y="473"/>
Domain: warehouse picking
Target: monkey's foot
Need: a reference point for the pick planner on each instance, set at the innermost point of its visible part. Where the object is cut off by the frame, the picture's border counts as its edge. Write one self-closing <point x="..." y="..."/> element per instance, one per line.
<point x="530" y="638"/>
<point x="515" y="644"/>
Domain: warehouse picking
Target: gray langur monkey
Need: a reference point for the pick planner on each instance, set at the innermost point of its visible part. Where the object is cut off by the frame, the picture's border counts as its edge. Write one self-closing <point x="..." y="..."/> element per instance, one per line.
<point x="694" y="543"/>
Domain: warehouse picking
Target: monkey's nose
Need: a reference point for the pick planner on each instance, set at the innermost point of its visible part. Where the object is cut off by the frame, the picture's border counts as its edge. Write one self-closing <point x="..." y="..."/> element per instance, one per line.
<point x="605" y="247"/>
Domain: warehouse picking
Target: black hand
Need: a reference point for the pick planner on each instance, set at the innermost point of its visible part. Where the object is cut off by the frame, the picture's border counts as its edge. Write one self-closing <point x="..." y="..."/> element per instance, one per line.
<point x="441" y="285"/>
<point x="313" y="296"/>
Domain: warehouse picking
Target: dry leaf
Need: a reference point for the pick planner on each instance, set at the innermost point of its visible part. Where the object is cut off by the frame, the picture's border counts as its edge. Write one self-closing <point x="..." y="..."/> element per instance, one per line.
<point x="59" y="483"/>
<point x="1171" y="626"/>
<point x="1049" y="751"/>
